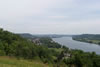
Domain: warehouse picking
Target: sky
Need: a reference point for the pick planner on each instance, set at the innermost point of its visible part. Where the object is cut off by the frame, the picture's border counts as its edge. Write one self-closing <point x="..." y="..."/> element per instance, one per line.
<point x="50" y="16"/>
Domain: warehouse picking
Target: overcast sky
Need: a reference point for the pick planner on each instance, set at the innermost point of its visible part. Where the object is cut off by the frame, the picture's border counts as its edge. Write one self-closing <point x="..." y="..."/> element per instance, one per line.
<point x="50" y="16"/>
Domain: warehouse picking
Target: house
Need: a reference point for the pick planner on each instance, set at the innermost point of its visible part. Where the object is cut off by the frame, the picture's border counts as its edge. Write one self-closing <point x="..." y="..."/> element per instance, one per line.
<point x="36" y="41"/>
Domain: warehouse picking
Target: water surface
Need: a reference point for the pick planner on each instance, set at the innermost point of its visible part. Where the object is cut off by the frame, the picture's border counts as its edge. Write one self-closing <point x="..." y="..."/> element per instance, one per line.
<point x="87" y="47"/>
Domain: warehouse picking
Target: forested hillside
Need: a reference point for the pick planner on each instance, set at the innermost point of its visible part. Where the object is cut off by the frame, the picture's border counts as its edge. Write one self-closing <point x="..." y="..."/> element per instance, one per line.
<point x="14" y="46"/>
<point x="90" y="38"/>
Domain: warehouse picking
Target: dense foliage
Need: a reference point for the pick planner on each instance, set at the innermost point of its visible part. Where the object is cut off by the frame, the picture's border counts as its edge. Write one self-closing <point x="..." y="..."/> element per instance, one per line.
<point x="83" y="59"/>
<point x="48" y="42"/>
<point x="15" y="46"/>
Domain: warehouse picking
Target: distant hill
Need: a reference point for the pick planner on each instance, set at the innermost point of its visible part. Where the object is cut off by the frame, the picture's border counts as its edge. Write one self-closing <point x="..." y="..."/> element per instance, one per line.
<point x="90" y="38"/>
<point x="26" y="35"/>
<point x="30" y="36"/>
<point x="53" y="35"/>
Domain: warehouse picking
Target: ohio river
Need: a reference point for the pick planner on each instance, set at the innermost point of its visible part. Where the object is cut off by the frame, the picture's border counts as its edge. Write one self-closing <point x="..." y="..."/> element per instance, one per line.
<point x="72" y="44"/>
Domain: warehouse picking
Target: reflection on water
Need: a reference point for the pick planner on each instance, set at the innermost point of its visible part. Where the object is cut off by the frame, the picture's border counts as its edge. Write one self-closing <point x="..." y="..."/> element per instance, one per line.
<point x="67" y="41"/>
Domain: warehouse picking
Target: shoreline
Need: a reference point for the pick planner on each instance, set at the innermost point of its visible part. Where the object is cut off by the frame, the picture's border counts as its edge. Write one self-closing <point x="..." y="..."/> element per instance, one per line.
<point x="90" y="42"/>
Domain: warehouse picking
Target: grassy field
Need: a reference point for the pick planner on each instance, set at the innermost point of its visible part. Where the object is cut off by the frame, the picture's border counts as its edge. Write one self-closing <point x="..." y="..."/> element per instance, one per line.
<point x="95" y="41"/>
<point x="12" y="62"/>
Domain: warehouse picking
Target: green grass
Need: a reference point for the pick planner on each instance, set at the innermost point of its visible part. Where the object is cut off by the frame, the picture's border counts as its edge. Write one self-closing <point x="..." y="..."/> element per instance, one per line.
<point x="96" y="41"/>
<point x="57" y="49"/>
<point x="13" y="62"/>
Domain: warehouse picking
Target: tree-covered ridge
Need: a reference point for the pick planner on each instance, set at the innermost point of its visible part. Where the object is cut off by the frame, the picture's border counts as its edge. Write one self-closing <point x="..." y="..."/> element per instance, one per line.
<point x="48" y="42"/>
<point x="14" y="45"/>
<point x="90" y="38"/>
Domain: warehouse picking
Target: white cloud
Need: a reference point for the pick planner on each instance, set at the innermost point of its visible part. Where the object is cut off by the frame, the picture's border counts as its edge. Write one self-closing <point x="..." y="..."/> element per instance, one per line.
<point x="58" y="17"/>
<point x="50" y="16"/>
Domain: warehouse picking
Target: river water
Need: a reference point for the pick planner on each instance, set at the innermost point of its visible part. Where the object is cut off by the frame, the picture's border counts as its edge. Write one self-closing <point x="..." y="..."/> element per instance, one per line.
<point x="72" y="44"/>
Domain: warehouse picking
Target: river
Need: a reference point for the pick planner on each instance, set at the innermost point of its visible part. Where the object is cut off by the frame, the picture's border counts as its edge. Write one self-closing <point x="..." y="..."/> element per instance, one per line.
<point x="72" y="44"/>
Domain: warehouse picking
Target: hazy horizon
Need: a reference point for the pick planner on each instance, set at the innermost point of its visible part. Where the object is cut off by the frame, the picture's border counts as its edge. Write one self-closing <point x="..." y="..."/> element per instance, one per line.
<point x="50" y="16"/>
